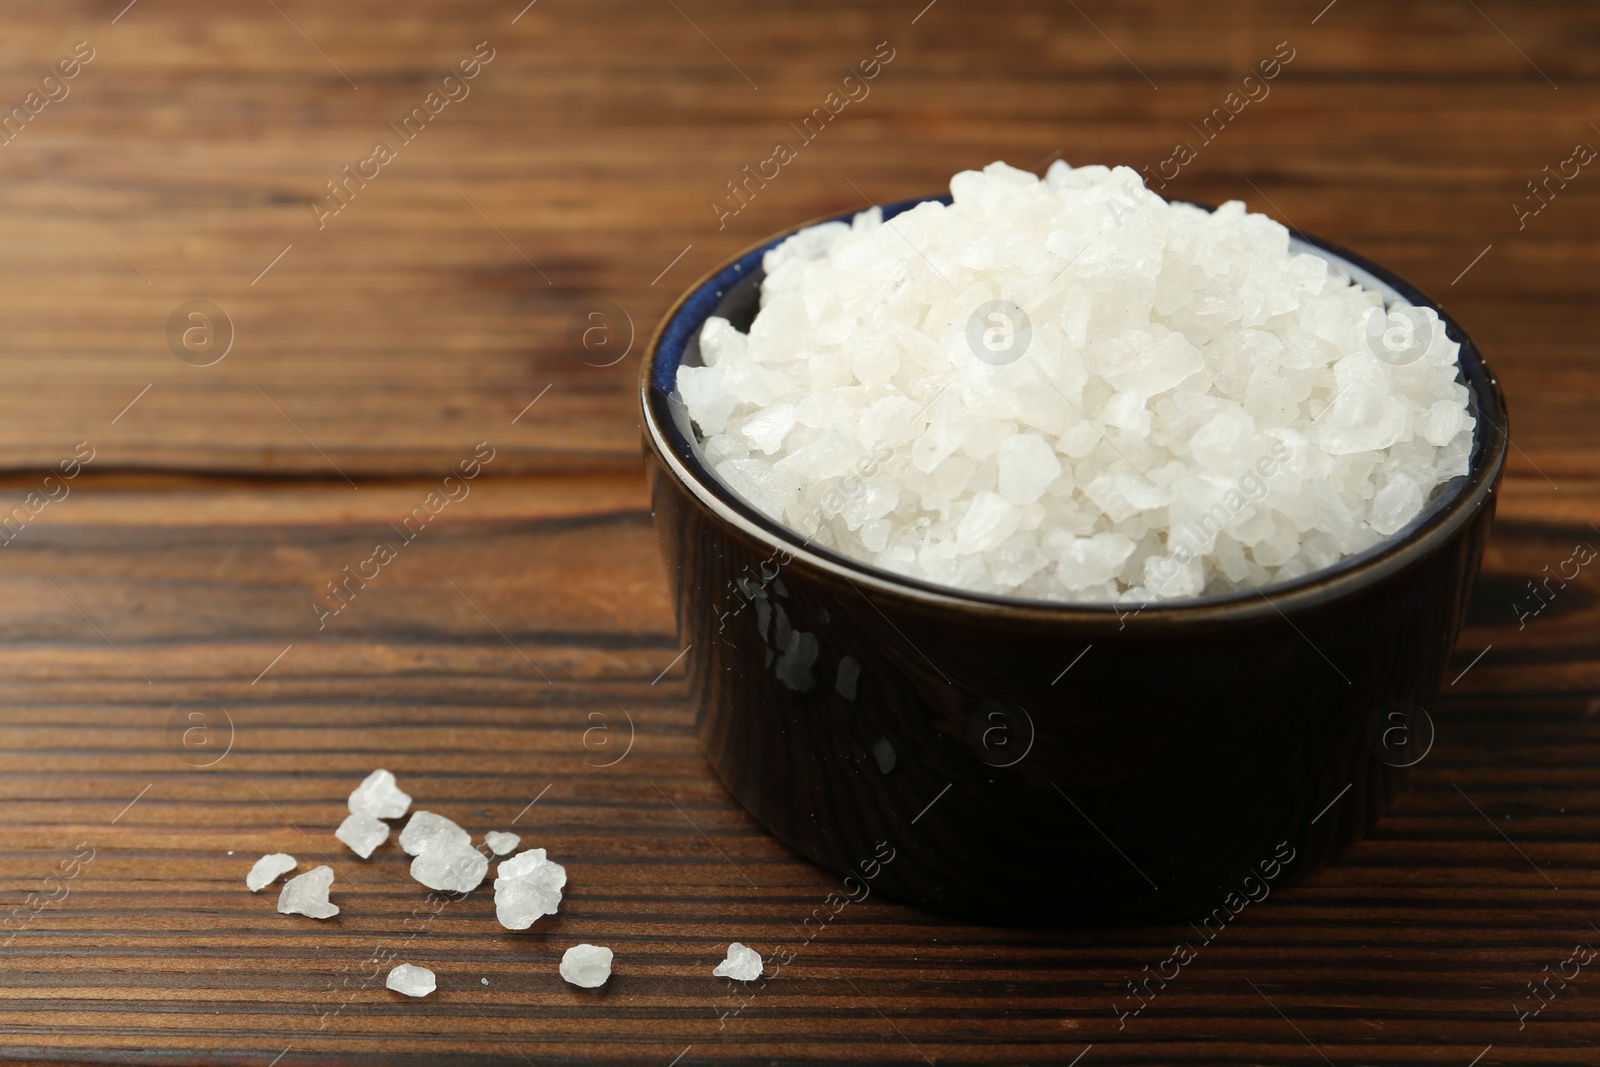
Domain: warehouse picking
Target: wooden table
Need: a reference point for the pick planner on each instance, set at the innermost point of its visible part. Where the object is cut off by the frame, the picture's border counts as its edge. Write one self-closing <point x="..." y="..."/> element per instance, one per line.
<point x="499" y="660"/>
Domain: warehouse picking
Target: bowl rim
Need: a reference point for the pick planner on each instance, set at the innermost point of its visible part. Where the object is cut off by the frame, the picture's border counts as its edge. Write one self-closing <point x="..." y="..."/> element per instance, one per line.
<point x="1307" y="591"/>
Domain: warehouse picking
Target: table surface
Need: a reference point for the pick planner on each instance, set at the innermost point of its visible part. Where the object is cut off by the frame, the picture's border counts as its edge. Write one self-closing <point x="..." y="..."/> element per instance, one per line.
<point x="513" y="651"/>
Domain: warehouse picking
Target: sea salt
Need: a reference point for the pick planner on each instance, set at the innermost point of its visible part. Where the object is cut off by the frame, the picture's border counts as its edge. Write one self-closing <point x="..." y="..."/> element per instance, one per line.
<point x="411" y="980"/>
<point x="362" y="833"/>
<point x="449" y="864"/>
<point x="1069" y="389"/>
<point x="500" y="842"/>
<point x="742" y="965"/>
<point x="379" y="797"/>
<point x="527" y="886"/>
<point x="423" y="826"/>
<point x="586" y="965"/>
<point x="307" y="894"/>
<point x="267" y="869"/>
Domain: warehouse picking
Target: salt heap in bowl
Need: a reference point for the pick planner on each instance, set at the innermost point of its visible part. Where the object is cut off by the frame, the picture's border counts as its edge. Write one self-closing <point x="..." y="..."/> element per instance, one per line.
<point x="1069" y="389"/>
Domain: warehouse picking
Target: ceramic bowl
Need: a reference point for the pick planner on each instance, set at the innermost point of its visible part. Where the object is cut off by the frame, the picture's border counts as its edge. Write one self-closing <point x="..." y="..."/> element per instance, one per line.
<point x="1032" y="762"/>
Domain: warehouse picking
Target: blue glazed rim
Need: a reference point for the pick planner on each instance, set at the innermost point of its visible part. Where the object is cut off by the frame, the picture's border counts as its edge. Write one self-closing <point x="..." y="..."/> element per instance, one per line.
<point x="1450" y="507"/>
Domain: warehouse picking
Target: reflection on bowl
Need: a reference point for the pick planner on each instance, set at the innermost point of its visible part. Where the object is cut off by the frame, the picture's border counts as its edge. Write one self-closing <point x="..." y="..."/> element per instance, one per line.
<point x="1025" y="761"/>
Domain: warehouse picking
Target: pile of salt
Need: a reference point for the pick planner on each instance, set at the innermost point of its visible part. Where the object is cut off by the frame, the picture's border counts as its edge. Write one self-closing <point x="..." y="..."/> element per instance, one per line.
<point x="1070" y="389"/>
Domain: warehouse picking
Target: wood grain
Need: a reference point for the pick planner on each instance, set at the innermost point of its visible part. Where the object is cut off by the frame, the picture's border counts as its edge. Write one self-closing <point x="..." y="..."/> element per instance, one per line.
<point x="182" y="569"/>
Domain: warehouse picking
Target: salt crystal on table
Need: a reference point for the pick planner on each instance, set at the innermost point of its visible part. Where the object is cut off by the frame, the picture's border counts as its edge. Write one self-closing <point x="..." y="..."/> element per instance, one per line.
<point x="423" y="825"/>
<point x="742" y="965"/>
<point x="500" y="843"/>
<point x="449" y="864"/>
<point x="308" y="894"/>
<point x="267" y="869"/>
<point x="586" y="965"/>
<point x="527" y="886"/>
<point x="379" y="797"/>
<point x="411" y="980"/>
<point x="362" y="833"/>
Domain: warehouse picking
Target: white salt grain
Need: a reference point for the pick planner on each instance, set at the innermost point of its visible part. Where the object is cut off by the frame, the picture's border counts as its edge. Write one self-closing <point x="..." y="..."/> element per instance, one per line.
<point x="1395" y="503"/>
<point x="1026" y="467"/>
<point x="379" y="797"/>
<point x="527" y="886"/>
<point x="586" y="965"/>
<point x="423" y="825"/>
<point x="500" y="842"/>
<point x="307" y="894"/>
<point x="742" y="965"/>
<point x="267" y="869"/>
<point x="411" y="980"/>
<point x="362" y="833"/>
<point x="449" y="864"/>
<point x="1189" y="407"/>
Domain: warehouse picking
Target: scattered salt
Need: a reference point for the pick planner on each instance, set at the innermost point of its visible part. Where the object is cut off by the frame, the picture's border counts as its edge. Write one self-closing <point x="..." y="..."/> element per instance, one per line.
<point x="362" y="833"/>
<point x="411" y="980"/>
<point x="307" y="894"/>
<point x="423" y="825"/>
<point x="527" y="886"/>
<point x="1070" y="389"/>
<point x="742" y="965"/>
<point x="449" y="864"/>
<point x="379" y="797"/>
<point x="586" y="965"/>
<point x="267" y="869"/>
<point x="500" y="842"/>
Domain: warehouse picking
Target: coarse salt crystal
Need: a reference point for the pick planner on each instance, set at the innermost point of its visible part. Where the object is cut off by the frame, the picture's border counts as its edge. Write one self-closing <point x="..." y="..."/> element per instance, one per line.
<point x="423" y="825"/>
<point x="379" y="797"/>
<point x="307" y="894"/>
<point x="587" y="966"/>
<point x="449" y="864"/>
<point x="411" y="980"/>
<point x="742" y="965"/>
<point x="526" y="887"/>
<point x="362" y="833"/>
<point x="267" y="869"/>
<point x="501" y="842"/>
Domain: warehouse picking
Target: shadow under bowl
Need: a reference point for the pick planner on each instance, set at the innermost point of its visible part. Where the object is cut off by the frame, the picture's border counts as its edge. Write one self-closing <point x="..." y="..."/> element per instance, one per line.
<point x="1034" y="762"/>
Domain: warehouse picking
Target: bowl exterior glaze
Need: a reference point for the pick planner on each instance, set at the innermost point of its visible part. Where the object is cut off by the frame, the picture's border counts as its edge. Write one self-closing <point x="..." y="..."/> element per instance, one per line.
<point x="1016" y="762"/>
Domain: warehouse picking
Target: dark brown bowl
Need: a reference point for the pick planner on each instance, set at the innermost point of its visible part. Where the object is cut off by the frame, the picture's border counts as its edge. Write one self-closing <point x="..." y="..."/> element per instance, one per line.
<point x="1024" y="761"/>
